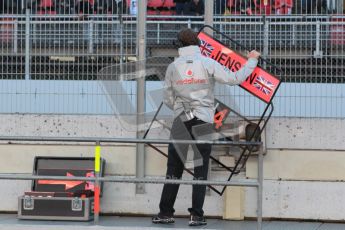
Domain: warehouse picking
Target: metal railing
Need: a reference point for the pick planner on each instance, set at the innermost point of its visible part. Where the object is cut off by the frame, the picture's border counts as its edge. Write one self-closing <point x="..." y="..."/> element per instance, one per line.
<point x="97" y="179"/>
<point x="37" y="39"/>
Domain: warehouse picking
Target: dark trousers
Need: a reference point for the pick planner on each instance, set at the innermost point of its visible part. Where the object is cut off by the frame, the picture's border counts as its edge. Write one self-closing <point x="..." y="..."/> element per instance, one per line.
<point x="177" y="154"/>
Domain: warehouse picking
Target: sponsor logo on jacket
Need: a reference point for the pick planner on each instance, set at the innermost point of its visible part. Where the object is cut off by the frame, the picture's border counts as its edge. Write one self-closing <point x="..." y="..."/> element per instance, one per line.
<point x="191" y="81"/>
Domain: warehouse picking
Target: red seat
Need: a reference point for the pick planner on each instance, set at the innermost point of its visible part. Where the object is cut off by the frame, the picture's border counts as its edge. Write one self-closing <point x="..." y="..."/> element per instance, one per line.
<point x="283" y="6"/>
<point x="230" y="3"/>
<point x="169" y="3"/>
<point x="6" y="31"/>
<point x="161" y="12"/>
<point x="46" y="7"/>
<point x="128" y="3"/>
<point x="282" y="3"/>
<point x="338" y="32"/>
<point x="167" y="12"/>
<point x="155" y="3"/>
<point x="43" y="12"/>
<point x="46" y="4"/>
<point x="152" y="12"/>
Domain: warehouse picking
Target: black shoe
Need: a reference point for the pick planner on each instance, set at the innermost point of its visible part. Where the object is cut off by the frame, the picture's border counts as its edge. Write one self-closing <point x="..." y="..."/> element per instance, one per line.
<point x="160" y="219"/>
<point x="197" y="220"/>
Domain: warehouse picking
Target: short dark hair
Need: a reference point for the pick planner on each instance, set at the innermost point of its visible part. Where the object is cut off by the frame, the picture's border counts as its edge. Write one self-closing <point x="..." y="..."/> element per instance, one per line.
<point x="187" y="37"/>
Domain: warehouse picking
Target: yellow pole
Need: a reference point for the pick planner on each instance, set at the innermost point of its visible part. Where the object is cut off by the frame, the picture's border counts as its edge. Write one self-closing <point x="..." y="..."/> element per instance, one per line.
<point x="97" y="158"/>
<point x="97" y="186"/>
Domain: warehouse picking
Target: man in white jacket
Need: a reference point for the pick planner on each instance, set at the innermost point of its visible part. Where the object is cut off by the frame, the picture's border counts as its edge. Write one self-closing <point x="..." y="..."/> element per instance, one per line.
<point x="189" y="92"/>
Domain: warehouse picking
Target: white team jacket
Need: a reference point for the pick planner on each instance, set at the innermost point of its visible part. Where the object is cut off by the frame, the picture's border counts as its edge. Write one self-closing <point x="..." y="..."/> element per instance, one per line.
<point x="190" y="79"/>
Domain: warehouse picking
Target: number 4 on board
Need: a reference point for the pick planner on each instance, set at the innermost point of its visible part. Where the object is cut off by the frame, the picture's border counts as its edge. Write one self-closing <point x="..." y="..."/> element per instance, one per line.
<point x="219" y="117"/>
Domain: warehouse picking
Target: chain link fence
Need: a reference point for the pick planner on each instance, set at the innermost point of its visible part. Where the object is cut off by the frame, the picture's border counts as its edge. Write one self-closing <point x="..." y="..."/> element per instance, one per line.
<point x="310" y="52"/>
<point x="278" y="7"/>
<point x="168" y="7"/>
<point x="66" y="48"/>
<point x="71" y="41"/>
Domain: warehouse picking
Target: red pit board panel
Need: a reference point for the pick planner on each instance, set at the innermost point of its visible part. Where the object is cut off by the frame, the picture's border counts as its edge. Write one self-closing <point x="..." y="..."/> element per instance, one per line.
<point x="260" y="83"/>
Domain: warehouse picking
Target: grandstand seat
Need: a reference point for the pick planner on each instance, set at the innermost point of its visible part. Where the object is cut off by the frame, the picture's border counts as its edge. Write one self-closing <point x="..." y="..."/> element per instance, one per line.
<point x="46" y="4"/>
<point x="155" y="3"/>
<point x="43" y="12"/>
<point x="6" y="31"/>
<point x="337" y="32"/>
<point x="231" y="3"/>
<point x="283" y="6"/>
<point x="46" y="7"/>
<point x="161" y="7"/>
<point x="169" y="3"/>
<point x="152" y="12"/>
<point x="167" y="12"/>
<point x="160" y="12"/>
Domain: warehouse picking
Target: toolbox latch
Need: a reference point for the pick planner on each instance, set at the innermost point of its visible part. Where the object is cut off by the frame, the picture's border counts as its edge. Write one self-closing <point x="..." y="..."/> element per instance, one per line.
<point x="77" y="204"/>
<point x="28" y="203"/>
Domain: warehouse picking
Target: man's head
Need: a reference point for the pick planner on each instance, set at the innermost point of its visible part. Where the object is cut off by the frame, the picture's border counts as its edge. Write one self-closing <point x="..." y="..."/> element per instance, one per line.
<point x="188" y="37"/>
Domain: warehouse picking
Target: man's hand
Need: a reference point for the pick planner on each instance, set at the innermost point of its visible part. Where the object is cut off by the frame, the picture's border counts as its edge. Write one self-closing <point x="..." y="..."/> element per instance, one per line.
<point x="253" y="54"/>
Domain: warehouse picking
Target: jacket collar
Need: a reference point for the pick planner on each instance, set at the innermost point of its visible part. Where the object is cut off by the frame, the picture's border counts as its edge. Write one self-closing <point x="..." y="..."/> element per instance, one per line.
<point x="189" y="51"/>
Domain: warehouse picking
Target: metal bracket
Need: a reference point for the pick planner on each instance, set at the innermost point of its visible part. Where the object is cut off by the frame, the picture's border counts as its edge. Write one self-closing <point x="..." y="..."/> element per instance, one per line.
<point x="28" y="203"/>
<point x="77" y="204"/>
<point x="92" y="207"/>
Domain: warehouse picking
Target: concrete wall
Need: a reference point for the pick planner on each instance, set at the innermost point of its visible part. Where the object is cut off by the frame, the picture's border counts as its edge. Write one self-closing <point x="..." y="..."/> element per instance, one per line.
<point x="117" y="97"/>
<point x="303" y="168"/>
<point x="118" y="198"/>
